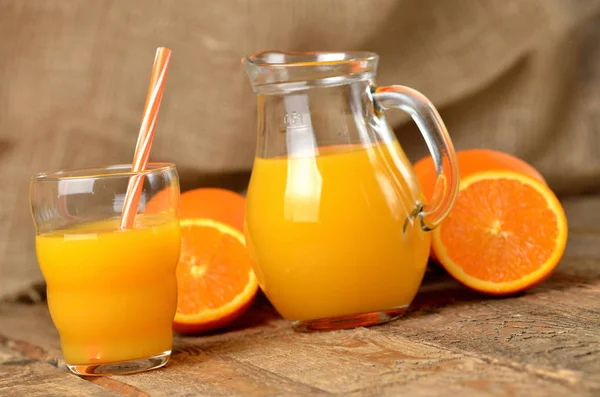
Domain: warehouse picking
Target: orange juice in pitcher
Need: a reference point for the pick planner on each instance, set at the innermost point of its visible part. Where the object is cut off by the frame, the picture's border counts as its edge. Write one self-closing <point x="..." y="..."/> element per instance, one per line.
<point x="336" y="222"/>
<point x="339" y="246"/>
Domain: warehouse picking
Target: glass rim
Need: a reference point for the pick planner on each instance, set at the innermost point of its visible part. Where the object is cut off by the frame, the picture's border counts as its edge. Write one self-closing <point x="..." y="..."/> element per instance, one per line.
<point x="98" y="172"/>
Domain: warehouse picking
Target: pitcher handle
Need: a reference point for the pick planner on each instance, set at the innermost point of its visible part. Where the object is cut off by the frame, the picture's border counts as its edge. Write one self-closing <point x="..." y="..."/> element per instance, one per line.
<point x="440" y="146"/>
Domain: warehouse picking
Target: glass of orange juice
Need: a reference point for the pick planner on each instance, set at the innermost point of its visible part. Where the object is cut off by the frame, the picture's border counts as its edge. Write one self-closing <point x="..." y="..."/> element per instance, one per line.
<point x="112" y="292"/>
<point x="336" y="221"/>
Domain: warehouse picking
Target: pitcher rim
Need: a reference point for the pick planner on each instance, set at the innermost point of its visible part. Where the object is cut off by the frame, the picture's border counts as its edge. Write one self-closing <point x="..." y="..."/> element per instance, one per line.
<point x="281" y="72"/>
<point x="339" y="57"/>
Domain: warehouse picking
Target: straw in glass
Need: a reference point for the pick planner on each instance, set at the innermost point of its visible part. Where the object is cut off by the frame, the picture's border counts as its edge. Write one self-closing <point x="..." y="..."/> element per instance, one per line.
<point x="146" y="135"/>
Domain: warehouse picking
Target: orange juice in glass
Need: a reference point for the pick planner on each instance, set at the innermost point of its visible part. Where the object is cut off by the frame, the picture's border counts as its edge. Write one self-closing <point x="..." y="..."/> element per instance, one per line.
<point x="112" y="292"/>
<point x="335" y="218"/>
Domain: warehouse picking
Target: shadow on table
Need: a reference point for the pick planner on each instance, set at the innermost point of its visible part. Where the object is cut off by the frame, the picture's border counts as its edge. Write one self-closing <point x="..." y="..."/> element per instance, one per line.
<point x="438" y="290"/>
<point x="260" y="314"/>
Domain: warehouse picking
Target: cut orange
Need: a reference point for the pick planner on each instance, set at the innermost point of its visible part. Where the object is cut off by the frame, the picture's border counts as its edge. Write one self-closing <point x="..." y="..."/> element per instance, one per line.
<point x="506" y="232"/>
<point x="215" y="281"/>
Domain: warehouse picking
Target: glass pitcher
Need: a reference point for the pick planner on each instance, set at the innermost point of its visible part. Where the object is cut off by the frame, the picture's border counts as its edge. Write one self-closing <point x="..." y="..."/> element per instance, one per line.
<point x="335" y="218"/>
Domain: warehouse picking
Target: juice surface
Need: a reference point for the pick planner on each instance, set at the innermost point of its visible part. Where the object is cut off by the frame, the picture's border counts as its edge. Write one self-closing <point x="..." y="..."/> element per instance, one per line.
<point x="326" y="231"/>
<point x="112" y="293"/>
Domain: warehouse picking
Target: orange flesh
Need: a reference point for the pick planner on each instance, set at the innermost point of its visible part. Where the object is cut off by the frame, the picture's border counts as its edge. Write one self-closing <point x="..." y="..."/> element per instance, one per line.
<point x="500" y="230"/>
<point x="213" y="269"/>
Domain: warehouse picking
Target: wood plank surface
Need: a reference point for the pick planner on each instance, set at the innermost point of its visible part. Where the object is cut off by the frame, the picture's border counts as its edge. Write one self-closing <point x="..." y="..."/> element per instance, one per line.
<point x="21" y="376"/>
<point x="545" y="342"/>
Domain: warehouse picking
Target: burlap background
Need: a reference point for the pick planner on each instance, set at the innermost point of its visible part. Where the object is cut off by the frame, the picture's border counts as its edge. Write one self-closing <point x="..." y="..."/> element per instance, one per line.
<point x="521" y="76"/>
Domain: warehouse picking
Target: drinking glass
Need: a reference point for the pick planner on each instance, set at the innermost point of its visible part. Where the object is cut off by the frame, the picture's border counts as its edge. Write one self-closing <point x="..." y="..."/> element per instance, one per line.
<point x="112" y="292"/>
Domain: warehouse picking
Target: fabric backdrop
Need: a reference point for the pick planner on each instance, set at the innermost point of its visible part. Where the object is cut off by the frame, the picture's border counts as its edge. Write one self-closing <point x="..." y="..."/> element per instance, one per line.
<point x="513" y="75"/>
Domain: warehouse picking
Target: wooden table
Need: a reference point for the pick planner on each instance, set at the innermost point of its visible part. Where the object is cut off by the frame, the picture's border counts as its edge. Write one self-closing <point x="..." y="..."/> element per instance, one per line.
<point x="453" y="342"/>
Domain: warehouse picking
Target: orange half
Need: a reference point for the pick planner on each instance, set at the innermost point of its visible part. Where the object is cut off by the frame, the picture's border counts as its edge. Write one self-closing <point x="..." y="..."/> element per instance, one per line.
<point x="506" y="232"/>
<point x="215" y="280"/>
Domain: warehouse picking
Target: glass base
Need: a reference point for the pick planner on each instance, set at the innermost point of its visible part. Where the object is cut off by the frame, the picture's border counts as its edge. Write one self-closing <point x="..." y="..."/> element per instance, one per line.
<point x="350" y="321"/>
<point x="122" y="367"/>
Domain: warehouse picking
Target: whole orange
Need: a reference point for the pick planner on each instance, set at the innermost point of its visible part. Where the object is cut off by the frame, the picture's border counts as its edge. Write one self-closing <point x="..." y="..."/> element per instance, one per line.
<point x="471" y="161"/>
<point x="217" y="204"/>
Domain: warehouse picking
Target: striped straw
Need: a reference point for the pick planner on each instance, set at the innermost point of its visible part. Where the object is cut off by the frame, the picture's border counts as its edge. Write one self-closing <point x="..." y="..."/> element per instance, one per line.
<point x="146" y="136"/>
